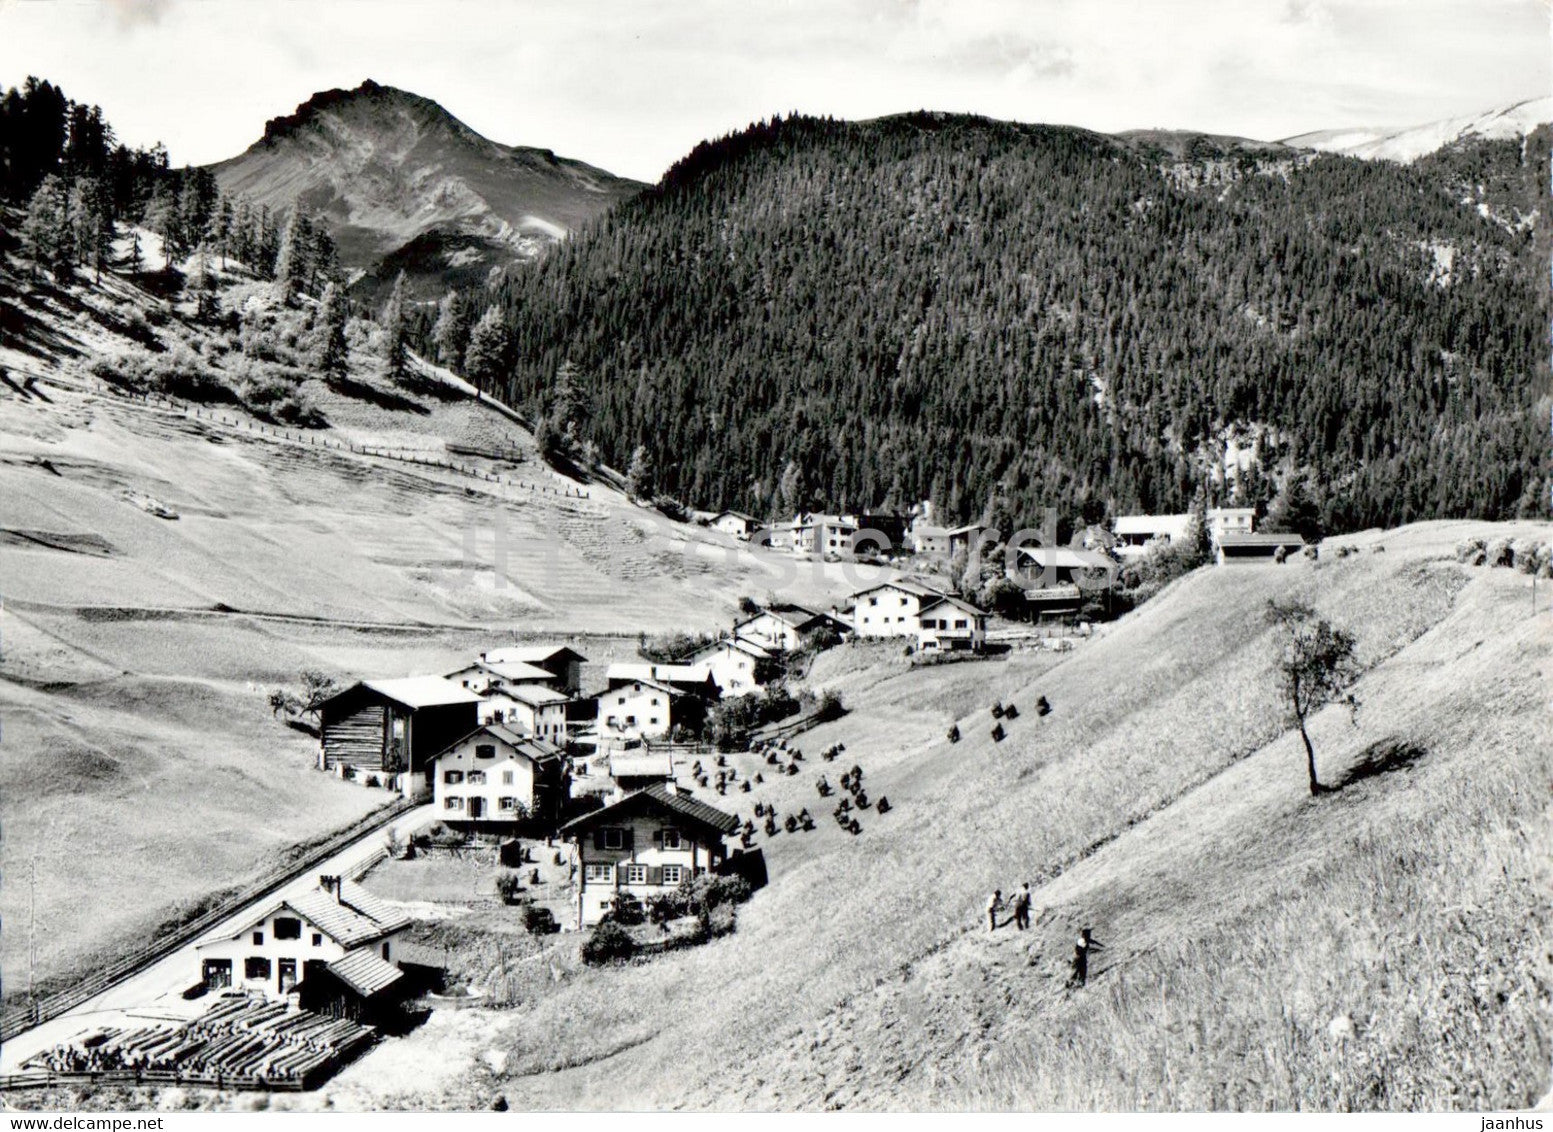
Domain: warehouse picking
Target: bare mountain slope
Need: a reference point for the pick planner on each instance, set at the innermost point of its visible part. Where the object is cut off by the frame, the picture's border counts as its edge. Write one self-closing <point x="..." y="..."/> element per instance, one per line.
<point x="1412" y="142"/>
<point x="394" y="172"/>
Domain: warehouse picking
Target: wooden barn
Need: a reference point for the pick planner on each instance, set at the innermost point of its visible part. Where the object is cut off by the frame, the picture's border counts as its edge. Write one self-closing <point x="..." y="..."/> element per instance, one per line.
<point x="395" y="727"/>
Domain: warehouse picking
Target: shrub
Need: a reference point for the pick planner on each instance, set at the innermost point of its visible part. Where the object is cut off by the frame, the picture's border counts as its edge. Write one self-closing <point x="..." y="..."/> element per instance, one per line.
<point x="672" y="508"/>
<point x="626" y="910"/>
<point x="508" y="886"/>
<point x="609" y="943"/>
<point x="373" y="780"/>
<point x="538" y="920"/>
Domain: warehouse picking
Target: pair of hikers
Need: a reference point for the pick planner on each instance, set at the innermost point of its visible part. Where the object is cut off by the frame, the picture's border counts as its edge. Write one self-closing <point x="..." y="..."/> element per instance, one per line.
<point x="1019" y="902"/>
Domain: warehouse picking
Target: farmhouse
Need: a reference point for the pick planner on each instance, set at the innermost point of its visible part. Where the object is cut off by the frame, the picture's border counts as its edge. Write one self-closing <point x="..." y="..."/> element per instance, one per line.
<point x="783" y="627"/>
<point x="824" y="536"/>
<point x="563" y="663"/>
<point x="891" y="609"/>
<point x="946" y="542"/>
<point x="738" y="665"/>
<point x="494" y="776"/>
<point x="1240" y="549"/>
<point x="530" y="709"/>
<point x="394" y="726"/>
<point x="949" y="624"/>
<point x="486" y="676"/>
<point x="634" y="709"/>
<point x="735" y="523"/>
<point x="334" y="946"/>
<point x="644" y="844"/>
<point x="1138" y="534"/>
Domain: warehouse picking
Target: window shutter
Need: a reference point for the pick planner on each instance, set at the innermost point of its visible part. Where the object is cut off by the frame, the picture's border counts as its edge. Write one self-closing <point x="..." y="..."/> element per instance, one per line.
<point x="598" y="839"/>
<point x="654" y="876"/>
<point x="657" y="837"/>
<point x="627" y="838"/>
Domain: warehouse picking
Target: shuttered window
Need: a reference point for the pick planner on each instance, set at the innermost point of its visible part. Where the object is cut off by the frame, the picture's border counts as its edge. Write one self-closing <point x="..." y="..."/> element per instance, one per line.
<point x="636" y="874"/>
<point x="673" y="874"/>
<point x="598" y="874"/>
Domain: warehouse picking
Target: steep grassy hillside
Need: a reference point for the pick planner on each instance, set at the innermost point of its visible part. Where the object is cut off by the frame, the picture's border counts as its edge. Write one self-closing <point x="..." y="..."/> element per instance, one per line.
<point x="141" y="769"/>
<point x="1382" y="946"/>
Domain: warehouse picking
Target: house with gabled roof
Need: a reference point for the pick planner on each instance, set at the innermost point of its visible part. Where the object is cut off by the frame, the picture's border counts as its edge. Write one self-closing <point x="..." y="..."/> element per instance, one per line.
<point x="891" y="609"/>
<point x="739" y="666"/>
<point x="394" y="727"/>
<point x="735" y="523"/>
<point x="637" y="706"/>
<point x="783" y="626"/>
<point x="645" y="844"/>
<point x="564" y="663"/>
<point x="495" y="778"/>
<point x="949" y="624"/>
<point x="338" y="937"/>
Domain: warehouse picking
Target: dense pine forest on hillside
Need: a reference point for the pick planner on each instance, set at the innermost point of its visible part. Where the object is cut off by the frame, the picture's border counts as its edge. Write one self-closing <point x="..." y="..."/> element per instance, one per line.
<point x="1005" y="317"/>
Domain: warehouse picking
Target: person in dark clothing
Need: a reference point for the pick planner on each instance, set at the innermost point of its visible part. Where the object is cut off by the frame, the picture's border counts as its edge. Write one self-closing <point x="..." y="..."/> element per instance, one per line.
<point x="1022" y="907"/>
<point x="1085" y="943"/>
<point x="994" y="906"/>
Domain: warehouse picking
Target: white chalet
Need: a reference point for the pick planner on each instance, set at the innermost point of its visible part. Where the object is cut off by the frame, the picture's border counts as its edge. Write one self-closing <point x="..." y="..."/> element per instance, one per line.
<point x="339" y="928"/>
<point x="891" y="609"/>
<point x="949" y="624"/>
<point x="735" y="664"/>
<point x="495" y="775"/>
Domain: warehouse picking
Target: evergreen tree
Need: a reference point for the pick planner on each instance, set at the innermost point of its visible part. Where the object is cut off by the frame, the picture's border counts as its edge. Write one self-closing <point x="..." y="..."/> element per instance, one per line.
<point x="485" y="361"/>
<point x="395" y="329"/>
<point x="639" y="475"/>
<point x="201" y="283"/>
<point x="450" y="333"/>
<point x="1294" y="509"/>
<point x="329" y="346"/>
<point x="291" y="257"/>
<point x="162" y="219"/>
<point x="47" y="235"/>
<point x="91" y="223"/>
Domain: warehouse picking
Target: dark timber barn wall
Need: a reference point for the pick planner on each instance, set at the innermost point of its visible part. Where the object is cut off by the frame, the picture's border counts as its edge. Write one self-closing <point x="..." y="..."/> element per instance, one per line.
<point x="356" y="729"/>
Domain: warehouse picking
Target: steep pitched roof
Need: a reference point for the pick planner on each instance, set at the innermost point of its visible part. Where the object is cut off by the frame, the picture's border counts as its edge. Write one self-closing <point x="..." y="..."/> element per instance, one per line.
<point x="1067" y="558"/>
<point x="658" y="796"/>
<point x="915" y="588"/>
<point x="356" y="917"/>
<point x="535" y="695"/>
<point x="364" y="972"/>
<point x="662" y="673"/>
<point x="421" y="691"/>
<point x="956" y="602"/>
<point x="531" y="654"/>
<point x="536" y="750"/>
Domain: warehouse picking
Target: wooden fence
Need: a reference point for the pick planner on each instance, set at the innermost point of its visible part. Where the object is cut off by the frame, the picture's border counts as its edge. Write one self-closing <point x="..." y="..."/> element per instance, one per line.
<point x="18" y="1019"/>
<point x="419" y="457"/>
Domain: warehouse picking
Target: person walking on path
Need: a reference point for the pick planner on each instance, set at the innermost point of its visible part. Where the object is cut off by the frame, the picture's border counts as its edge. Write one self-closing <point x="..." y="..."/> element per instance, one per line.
<point x="1081" y="948"/>
<point x="994" y="906"/>
<point x="1022" y="907"/>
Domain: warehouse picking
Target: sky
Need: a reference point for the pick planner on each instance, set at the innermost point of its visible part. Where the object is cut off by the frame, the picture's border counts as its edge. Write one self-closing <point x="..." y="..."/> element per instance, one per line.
<point x="632" y="85"/>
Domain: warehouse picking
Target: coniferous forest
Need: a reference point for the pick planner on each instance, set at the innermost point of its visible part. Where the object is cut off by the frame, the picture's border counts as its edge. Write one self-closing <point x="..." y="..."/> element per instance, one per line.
<point x="1004" y="318"/>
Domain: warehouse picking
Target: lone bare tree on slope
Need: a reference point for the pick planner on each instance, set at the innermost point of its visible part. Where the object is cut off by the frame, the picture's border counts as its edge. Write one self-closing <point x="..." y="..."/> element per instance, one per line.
<point x="1316" y="666"/>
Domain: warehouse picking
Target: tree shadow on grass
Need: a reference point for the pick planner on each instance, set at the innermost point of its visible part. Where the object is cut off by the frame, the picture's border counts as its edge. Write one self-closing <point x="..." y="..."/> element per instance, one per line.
<point x="1380" y="757"/>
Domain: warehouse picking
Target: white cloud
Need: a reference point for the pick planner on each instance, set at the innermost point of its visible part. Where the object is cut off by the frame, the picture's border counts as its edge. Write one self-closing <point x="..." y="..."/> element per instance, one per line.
<point x="631" y="85"/>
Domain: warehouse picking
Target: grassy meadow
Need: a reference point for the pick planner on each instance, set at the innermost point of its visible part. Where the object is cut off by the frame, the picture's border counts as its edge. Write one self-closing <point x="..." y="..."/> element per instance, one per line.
<point x="1382" y="946"/>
